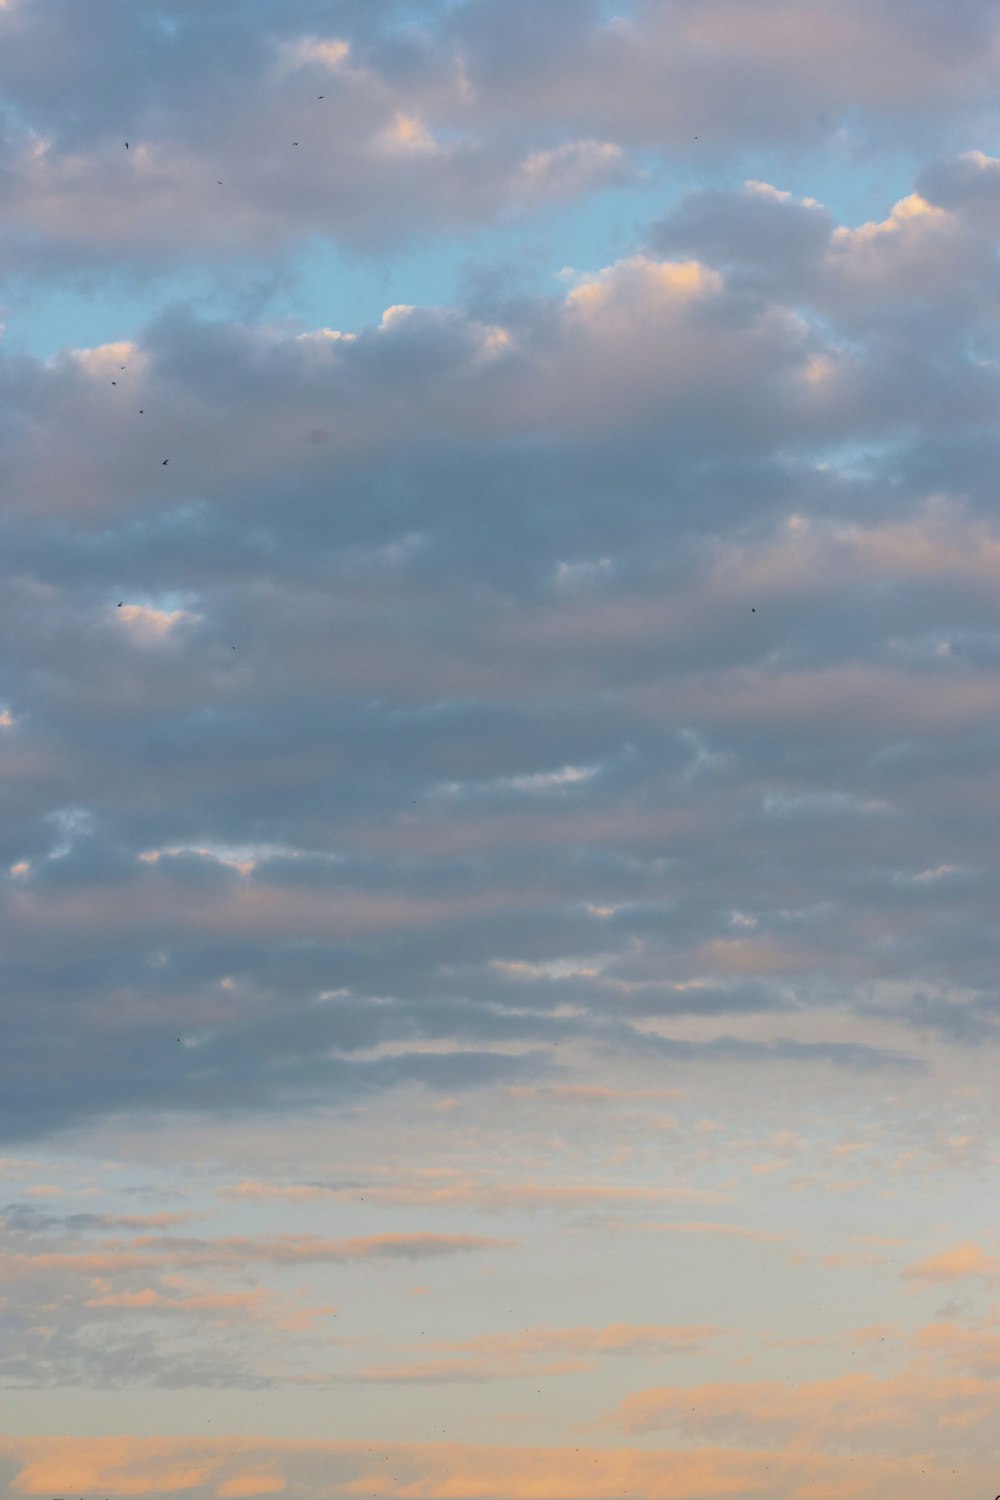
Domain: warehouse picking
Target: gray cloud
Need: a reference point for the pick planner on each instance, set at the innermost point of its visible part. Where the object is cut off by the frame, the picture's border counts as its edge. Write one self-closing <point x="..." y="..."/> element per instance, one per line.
<point x="433" y="117"/>
<point x="133" y="1310"/>
<point x="546" y="672"/>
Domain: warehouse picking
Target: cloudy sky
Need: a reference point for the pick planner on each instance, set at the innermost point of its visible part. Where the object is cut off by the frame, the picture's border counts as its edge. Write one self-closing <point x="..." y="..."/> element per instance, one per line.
<point x="499" y="730"/>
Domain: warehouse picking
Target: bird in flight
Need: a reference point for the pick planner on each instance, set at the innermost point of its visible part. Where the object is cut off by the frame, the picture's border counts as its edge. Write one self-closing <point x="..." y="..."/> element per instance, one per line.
<point x="166" y="460"/>
<point x="120" y="603"/>
<point x="126" y="145"/>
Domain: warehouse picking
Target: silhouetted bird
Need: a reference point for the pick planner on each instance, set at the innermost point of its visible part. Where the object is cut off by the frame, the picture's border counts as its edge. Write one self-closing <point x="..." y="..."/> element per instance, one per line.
<point x="126" y="145"/>
<point x="166" y="460"/>
<point x="120" y="603"/>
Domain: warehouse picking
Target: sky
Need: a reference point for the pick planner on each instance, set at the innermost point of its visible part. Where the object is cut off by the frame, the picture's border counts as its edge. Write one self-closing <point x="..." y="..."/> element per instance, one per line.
<point x="499" y="729"/>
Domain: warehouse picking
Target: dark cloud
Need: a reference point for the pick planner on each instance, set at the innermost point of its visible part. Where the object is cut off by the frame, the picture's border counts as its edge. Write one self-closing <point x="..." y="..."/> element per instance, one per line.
<point x="766" y="238"/>
<point x="619" y="660"/>
<point x="972" y="1020"/>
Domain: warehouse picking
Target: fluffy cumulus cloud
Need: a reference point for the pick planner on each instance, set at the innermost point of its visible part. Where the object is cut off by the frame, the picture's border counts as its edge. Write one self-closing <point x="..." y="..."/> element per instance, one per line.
<point x="254" y="125"/>
<point x="597" y="668"/>
<point x="498" y="796"/>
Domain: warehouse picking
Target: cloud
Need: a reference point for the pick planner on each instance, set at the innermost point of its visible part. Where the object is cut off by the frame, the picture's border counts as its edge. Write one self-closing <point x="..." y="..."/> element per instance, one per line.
<point x="173" y="1311"/>
<point x="429" y="1191"/>
<point x="412" y="761"/>
<point x="375" y="132"/>
<point x="340" y="142"/>
<point x="868" y="1413"/>
<point x="481" y="742"/>
<point x="147" y="1251"/>
<point x="617" y="1338"/>
<point x="968" y="1351"/>
<point x="962" y="1260"/>
<point x="709" y="1227"/>
<point x="136" y="1466"/>
<point x="572" y="168"/>
<point x="539" y="1352"/>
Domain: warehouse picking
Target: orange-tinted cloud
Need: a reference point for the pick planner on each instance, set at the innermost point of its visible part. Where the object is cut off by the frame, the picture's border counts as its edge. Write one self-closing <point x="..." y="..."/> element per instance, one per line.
<point x="616" y="1338"/>
<point x="226" y="1468"/>
<point x="707" y="1226"/>
<point x="963" y="1259"/>
<point x="542" y="1351"/>
<point x="426" y="1190"/>
<point x="908" y="1411"/>
<point x="147" y="1251"/>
